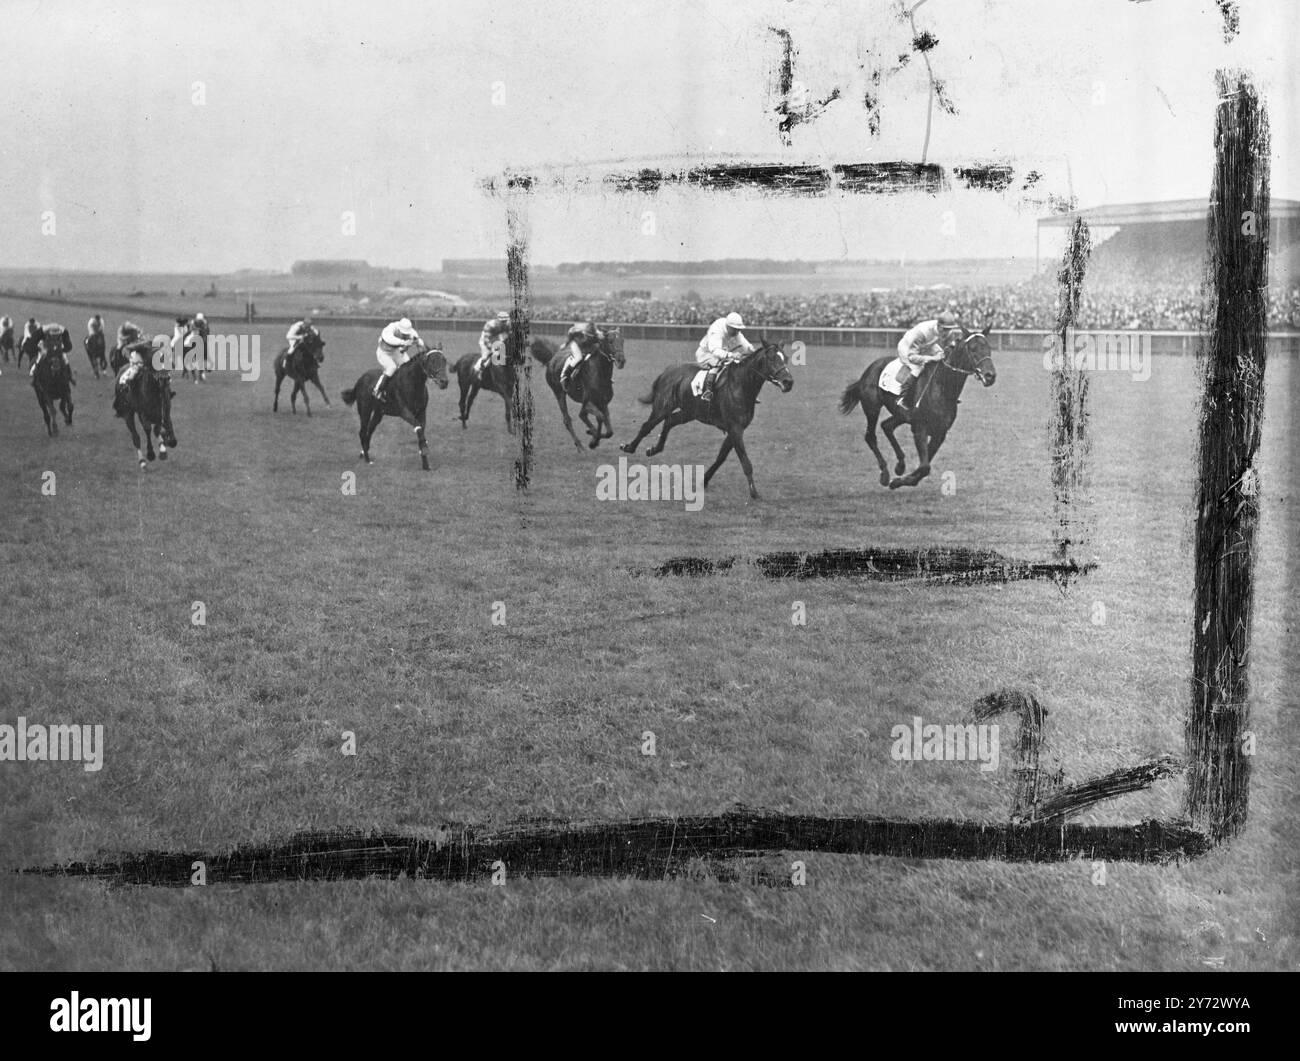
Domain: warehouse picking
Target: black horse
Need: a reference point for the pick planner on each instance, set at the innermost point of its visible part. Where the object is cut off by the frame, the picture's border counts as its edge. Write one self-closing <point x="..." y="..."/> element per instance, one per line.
<point x="935" y="404"/>
<point x="149" y="396"/>
<point x="53" y="386"/>
<point x="29" y="347"/>
<point x="407" y="397"/>
<point x="734" y="396"/>
<point x="94" y="344"/>
<point x="303" y="368"/>
<point x="497" y="377"/>
<point x="7" y="349"/>
<point x="591" y="385"/>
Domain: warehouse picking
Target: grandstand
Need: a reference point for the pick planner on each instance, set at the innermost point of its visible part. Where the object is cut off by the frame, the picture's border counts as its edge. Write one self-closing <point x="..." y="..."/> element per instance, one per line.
<point x="1165" y="242"/>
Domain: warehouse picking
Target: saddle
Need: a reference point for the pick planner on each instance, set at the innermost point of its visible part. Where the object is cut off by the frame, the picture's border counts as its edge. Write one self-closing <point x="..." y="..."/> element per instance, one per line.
<point x="697" y="381"/>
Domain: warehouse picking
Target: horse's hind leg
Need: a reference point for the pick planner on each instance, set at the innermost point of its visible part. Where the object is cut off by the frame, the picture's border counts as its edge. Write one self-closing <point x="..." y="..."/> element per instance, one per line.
<point x="673" y="419"/>
<point x="889" y="427"/>
<point x="301" y="388"/>
<point x="564" y="412"/>
<point x="275" y="402"/>
<point x="135" y="437"/>
<point x="872" y="444"/>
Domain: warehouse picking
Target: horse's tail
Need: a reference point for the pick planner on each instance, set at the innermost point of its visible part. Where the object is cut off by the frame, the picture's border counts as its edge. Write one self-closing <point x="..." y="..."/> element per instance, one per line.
<point x="851" y="397"/>
<point x="349" y="396"/>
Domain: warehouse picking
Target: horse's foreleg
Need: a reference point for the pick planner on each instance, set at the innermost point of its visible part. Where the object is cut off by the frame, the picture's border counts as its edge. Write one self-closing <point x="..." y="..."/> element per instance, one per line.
<point x="467" y="403"/>
<point x="302" y="389"/>
<point x="316" y="380"/>
<point x="745" y="464"/>
<point x="921" y="437"/>
<point x="369" y="421"/>
<point x="275" y="402"/>
<point x="422" y="443"/>
<point x="727" y="445"/>
<point x="135" y="437"/>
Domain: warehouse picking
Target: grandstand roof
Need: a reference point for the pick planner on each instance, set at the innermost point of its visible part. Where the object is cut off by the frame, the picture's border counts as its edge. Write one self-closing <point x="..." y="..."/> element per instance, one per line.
<point x="1156" y="213"/>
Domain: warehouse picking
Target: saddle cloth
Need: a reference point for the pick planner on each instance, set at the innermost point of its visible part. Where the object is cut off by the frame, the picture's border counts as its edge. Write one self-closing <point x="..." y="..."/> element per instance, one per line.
<point x="697" y="381"/>
<point x="892" y="377"/>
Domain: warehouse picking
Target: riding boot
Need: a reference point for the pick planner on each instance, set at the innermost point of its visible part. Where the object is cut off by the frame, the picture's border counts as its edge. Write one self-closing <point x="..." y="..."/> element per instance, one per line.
<point x="381" y="388"/>
<point x="905" y="395"/>
<point x="706" y="392"/>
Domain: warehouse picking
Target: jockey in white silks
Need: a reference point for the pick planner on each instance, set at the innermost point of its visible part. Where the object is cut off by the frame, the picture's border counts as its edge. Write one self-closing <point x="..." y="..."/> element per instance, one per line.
<point x="297" y="332"/>
<point x="495" y="330"/>
<point x="581" y="343"/>
<point x="395" y="341"/>
<point x="95" y="326"/>
<point x="131" y="342"/>
<point x="921" y="344"/>
<point x="723" y="343"/>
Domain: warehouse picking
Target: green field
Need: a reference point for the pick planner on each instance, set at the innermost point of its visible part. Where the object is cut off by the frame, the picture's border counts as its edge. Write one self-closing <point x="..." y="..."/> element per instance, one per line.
<point x="371" y="613"/>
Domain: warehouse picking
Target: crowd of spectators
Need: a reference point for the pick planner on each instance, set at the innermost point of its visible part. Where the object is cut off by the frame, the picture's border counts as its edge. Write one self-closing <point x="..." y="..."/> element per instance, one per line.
<point x="1033" y="305"/>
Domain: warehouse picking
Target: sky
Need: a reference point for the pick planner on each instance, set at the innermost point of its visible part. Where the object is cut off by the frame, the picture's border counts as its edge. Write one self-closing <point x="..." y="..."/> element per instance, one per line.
<point x="171" y="135"/>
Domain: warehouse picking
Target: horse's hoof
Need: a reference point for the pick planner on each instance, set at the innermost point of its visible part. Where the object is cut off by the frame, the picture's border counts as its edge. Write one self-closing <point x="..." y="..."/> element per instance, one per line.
<point x="654" y="451"/>
<point x="626" y="447"/>
<point x="143" y="466"/>
<point x="151" y="456"/>
<point x="884" y="478"/>
<point x="894" y="484"/>
<point x="162" y="456"/>
<point x="592" y="444"/>
<point x="900" y="467"/>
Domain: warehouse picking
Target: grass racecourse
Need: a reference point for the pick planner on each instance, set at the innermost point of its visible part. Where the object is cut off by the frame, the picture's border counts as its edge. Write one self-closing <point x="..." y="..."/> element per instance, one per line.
<point x="328" y="612"/>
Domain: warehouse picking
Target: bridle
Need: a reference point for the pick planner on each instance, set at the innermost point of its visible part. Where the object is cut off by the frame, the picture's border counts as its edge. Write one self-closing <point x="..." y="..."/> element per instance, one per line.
<point x="425" y="358"/>
<point x="975" y="369"/>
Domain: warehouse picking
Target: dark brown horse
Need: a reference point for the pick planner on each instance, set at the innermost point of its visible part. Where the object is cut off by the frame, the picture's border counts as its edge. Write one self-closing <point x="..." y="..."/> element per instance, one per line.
<point x="935" y="404"/>
<point x="53" y="386"/>
<point x="147" y="395"/>
<point x="94" y="344"/>
<point x="407" y="396"/>
<point x="497" y="377"/>
<point x="303" y="368"/>
<point x="591" y="385"/>
<point x="734" y="397"/>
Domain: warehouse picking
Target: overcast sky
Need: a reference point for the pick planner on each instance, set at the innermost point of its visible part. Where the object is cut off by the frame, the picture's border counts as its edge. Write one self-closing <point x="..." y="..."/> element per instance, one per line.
<point x="180" y="135"/>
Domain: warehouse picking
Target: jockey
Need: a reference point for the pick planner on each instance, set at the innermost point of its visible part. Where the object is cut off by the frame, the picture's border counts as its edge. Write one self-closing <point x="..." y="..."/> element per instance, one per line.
<point x="6" y="333"/>
<point x="923" y="343"/>
<point x="95" y="326"/>
<point x="494" y="329"/>
<point x="297" y="334"/>
<point x="54" y="340"/>
<point x="723" y="343"/>
<point x="581" y="343"/>
<point x="394" y="341"/>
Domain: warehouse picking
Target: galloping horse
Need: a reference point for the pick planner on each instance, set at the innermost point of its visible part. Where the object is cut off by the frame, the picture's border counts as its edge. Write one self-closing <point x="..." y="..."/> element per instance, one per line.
<point x="302" y="368"/>
<point x="94" y="344"/>
<point x="191" y="356"/>
<point x="30" y="346"/>
<point x="53" y="388"/>
<point x="147" y="395"/>
<point x="937" y="392"/>
<point x="732" y="408"/>
<point x="407" y="397"/>
<point x="592" y="385"/>
<point x="497" y="377"/>
<point x="7" y="339"/>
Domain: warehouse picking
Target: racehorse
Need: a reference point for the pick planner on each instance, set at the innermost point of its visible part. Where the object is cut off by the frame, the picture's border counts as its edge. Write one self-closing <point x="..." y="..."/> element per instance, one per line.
<point x="302" y="368"/>
<point x="591" y="385"/>
<point x="53" y="386"/>
<point x="734" y="395"/>
<point x="149" y="396"/>
<point x="30" y="346"/>
<point x="496" y="377"/>
<point x="94" y="344"/>
<point x="192" y="356"/>
<point x="7" y="349"/>
<point x="935" y="407"/>
<point x="407" y="397"/>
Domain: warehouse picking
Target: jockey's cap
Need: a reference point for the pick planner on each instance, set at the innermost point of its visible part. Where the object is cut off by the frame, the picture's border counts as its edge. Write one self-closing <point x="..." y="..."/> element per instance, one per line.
<point x="504" y="315"/>
<point x="948" y="319"/>
<point x="733" y="321"/>
<point x="306" y="322"/>
<point x="197" y="317"/>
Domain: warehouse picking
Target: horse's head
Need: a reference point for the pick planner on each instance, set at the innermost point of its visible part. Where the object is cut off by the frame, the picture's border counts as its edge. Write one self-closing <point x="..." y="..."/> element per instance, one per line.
<point x="315" y="345"/>
<point x="611" y="345"/>
<point x="434" y="365"/>
<point x="768" y="360"/>
<point x="972" y="355"/>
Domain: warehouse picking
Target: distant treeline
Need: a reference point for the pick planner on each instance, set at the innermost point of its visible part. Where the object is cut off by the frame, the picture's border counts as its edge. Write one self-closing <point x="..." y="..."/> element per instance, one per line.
<point x="744" y="266"/>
